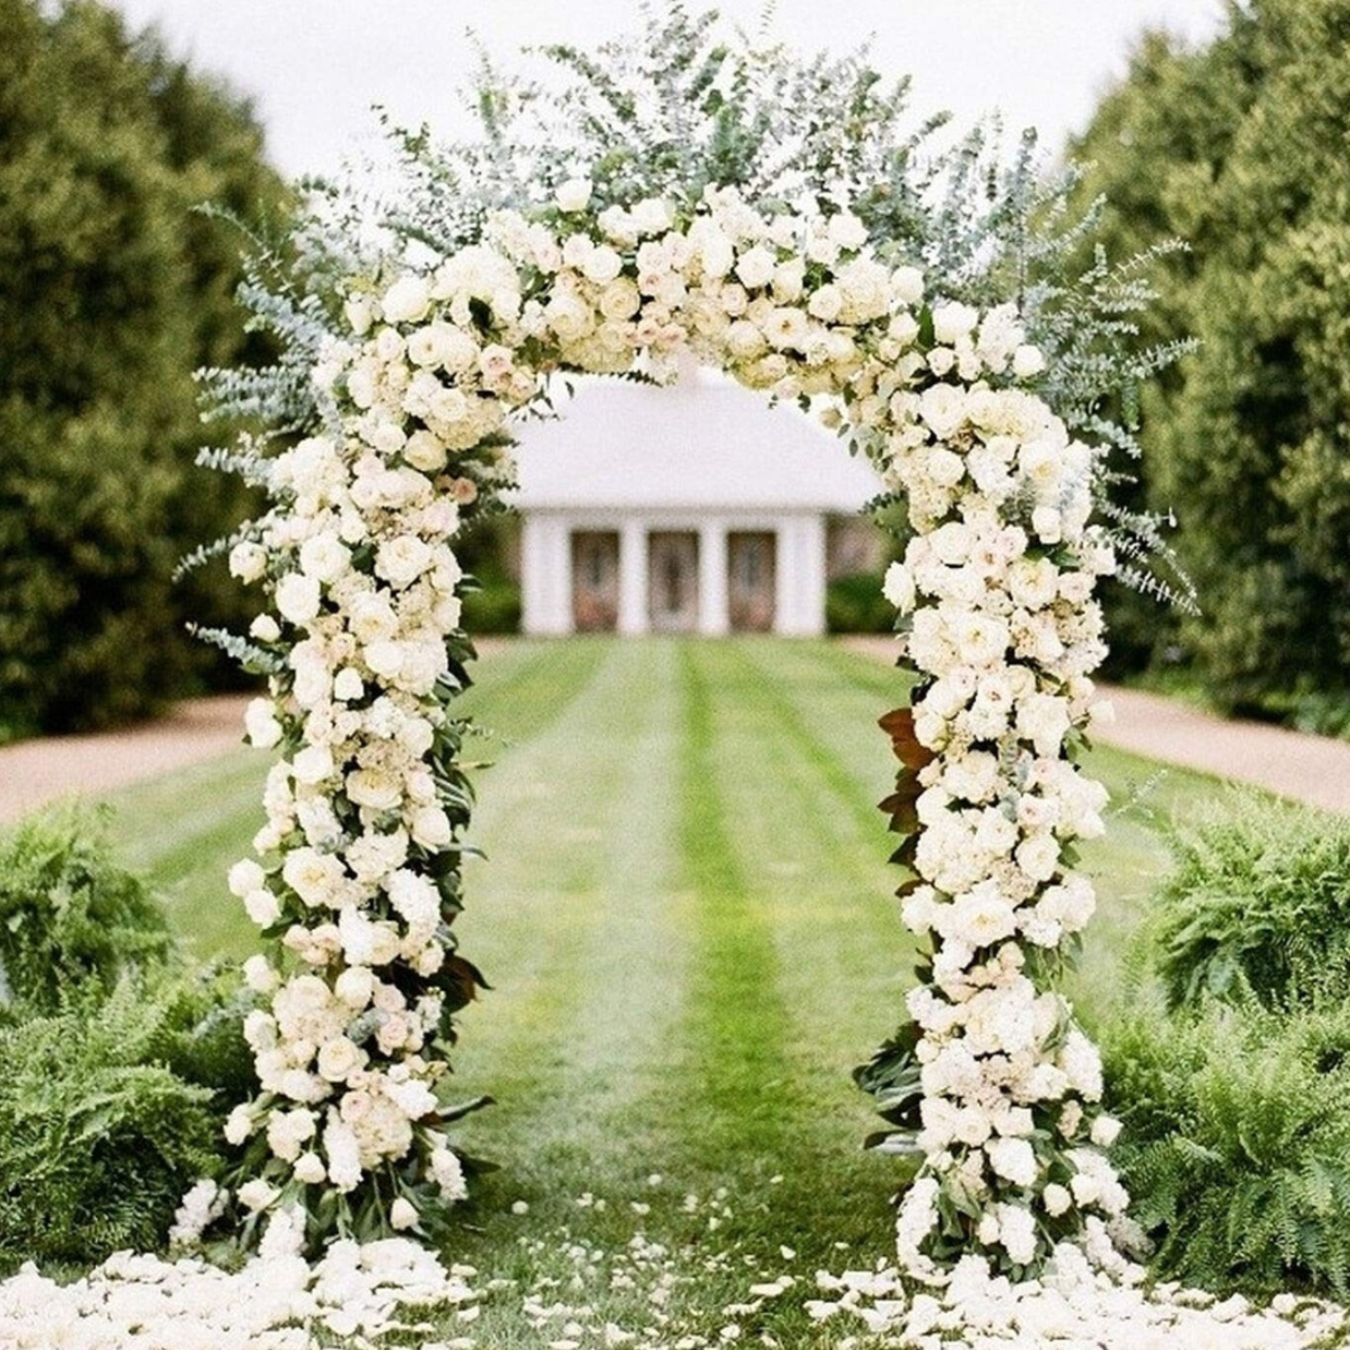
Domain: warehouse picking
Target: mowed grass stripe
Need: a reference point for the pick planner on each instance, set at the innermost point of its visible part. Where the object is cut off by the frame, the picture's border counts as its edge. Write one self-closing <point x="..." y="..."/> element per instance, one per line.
<point x="774" y="1095"/>
<point x="576" y="926"/>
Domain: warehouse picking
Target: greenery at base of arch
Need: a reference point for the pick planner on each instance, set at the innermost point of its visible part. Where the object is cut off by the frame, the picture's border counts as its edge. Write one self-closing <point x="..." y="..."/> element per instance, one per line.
<point x="779" y="217"/>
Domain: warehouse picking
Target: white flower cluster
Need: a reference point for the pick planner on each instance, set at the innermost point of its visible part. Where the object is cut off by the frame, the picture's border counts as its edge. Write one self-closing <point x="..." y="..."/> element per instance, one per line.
<point x="364" y="809"/>
<point x="1086" y="1296"/>
<point x="275" y="1301"/>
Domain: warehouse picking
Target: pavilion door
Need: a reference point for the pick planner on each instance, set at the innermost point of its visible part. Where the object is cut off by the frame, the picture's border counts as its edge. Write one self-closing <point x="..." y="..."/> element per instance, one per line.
<point x="752" y="566"/>
<point x="595" y="581"/>
<point x="672" y="580"/>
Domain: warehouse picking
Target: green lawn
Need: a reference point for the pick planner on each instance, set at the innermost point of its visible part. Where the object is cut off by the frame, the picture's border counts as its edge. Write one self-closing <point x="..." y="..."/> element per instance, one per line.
<point x="686" y="918"/>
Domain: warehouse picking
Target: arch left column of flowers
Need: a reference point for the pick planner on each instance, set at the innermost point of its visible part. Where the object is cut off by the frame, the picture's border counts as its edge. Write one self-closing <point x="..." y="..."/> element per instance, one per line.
<point x="358" y="874"/>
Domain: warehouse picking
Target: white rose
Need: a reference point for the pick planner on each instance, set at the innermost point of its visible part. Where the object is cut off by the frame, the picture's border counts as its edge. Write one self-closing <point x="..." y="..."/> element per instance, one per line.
<point x="1105" y="1131"/>
<point x="324" y="557"/>
<point x="264" y="629"/>
<point x="248" y="561"/>
<point x="309" y="1168"/>
<point x="359" y="313"/>
<point x="354" y="987"/>
<point x="402" y="1214"/>
<point x="573" y="195"/>
<point x="1027" y="362"/>
<point x="620" y="299"/>
<point x="313" y="764"/>
<point x="430" y="827"/>
<point x="259" y="975"/>
<point x="402" y="560"/>
<point x="1056" y="1199"/>
<point x="245" y="876"/>
<point x="952" y="321"/>
<point x="907" y="285"/>
<point x="1038" y="856"/>
<point x="407" y="300"/>
<point x="847" y="231"/>
<point x="1013" y="1159"/>
<point x="899" y="587"/>
<point x="262" y="907"/>
<point x="261" y="724"/>
<point x="256" y="1195"/>
<point x="1048" y="524"/>
<point x="424" y="451"/>
<point x="825" y="303"/>
<point x="756" y="267"/>
<point x="298" y="597"/>
<point x="238" y="1125"/>
<point x="338" y="1058"/>
<point x="348" y="686"/>
<point x="602" y="265"/>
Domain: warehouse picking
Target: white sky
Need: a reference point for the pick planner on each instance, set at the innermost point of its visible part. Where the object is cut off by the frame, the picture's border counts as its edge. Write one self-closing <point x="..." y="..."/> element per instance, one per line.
<point x="315" y="67"/>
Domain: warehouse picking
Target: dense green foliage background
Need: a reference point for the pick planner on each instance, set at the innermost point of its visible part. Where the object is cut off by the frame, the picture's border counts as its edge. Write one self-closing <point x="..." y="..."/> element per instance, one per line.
<point x="114" y="292"/>
<point x="1241" y="149"/>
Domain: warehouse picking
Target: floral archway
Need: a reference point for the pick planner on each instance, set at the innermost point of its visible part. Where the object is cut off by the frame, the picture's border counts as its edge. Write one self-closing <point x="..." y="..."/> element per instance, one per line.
<point x="408" y="364"/>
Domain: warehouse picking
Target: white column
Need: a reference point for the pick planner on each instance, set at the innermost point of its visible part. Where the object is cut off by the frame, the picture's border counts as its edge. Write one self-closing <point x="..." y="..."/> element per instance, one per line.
<point x="801" y="577"/>
<point x="633" y="613"/>
<point x="546" y="575"/>
<point x="811" y="617"/>
<point x="714" y="618"/>
<point x="784" y="579"/>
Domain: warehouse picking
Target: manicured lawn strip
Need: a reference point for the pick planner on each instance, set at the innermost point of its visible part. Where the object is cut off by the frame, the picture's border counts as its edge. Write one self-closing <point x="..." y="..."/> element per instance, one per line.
<point x="580" y="929"/>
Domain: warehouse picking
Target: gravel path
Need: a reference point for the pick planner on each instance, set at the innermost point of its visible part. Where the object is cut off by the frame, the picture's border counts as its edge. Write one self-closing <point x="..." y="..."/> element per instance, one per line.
<point x="35" y="772"/>
<point x="1312" y="769"/>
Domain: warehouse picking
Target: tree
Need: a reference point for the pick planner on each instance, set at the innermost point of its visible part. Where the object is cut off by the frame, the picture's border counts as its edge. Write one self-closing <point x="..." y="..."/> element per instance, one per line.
<point x="115" y="292"/>
<point x="1241" y="148"/>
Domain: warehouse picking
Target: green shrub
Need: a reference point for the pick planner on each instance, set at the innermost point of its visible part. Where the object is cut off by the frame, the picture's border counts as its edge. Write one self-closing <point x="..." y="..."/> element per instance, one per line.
<point x="1236" y="1147"/>
<point x="1237" y="147"/>
<point x="855" y="604"/>
<point x="1259" y="899"/>
<point x="119" y="1062"/>
<point x="109" y="1110"/>
<point x="493" y="609"/>
<point x="69" y="916"/>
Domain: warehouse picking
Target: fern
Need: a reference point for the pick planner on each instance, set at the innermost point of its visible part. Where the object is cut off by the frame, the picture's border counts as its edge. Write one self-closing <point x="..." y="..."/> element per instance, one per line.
<point x="1237" y="1143"/>
<point x="120" y="1062"/>
<point x="1259" y="900"/>
<point x="68" y="915"/>
<point x="101" y="1130"/>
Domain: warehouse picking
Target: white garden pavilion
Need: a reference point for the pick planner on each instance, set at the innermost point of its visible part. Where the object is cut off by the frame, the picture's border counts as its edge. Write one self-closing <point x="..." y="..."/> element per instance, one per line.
<point x="690" y="508"/>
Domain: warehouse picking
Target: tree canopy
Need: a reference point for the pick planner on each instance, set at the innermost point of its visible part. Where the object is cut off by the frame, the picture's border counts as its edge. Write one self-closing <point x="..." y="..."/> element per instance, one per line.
<point x="115" y="292"/>
<point x="1241" y="148"/>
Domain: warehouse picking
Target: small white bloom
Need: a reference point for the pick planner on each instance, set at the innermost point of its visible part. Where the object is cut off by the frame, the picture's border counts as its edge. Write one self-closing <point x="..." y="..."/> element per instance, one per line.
<point x="573" y="195"/>
<point x="403" y="1214"/>
<point x="407" y="300"/>
<point x="1027" y="362"/>
<point x="298" y="597"/>
<point x="261" y="724"/>
<point x="257" y="1194"/>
